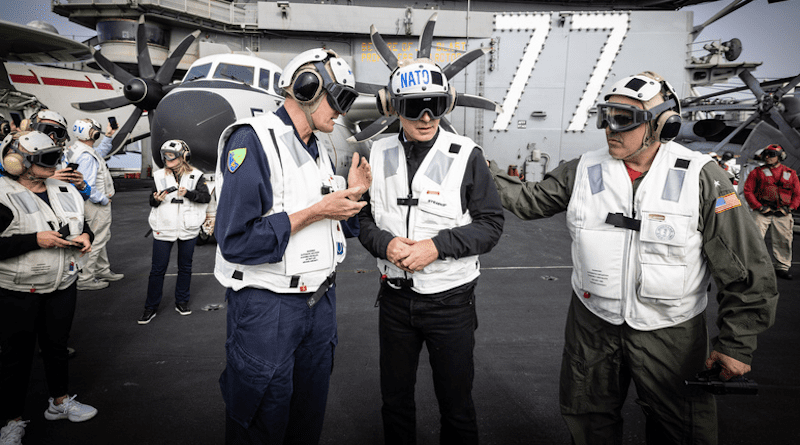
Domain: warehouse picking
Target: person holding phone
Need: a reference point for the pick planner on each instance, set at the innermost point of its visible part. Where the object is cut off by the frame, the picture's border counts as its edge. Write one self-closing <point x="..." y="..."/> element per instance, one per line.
<point x="178" y="209"/>
<point x="96" y="273"/>
<point x="43" y="237"/>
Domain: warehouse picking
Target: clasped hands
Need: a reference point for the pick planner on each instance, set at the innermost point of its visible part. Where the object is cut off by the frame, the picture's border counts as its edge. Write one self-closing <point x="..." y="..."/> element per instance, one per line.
<point x="410" y="255"/>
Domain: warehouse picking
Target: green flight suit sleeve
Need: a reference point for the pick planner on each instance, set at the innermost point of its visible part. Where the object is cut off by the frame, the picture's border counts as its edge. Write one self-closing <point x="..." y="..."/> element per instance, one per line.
<point x="738" y="260"/>
<point x="533" y="200"/>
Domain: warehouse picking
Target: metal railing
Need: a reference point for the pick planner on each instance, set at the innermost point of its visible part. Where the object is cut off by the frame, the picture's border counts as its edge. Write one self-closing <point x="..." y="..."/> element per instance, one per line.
<point x="231" y="13"/>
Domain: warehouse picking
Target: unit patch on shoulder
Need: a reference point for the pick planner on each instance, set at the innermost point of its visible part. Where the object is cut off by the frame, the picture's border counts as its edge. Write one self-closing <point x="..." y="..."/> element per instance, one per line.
<point x="236" y="158"/>
<point x="727" y="202"/>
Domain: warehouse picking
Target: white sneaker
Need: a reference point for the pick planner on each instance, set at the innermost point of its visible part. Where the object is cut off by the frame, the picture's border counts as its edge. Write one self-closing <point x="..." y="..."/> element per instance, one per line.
<point x="12" y="433"/>
<point x="70" y="409"/>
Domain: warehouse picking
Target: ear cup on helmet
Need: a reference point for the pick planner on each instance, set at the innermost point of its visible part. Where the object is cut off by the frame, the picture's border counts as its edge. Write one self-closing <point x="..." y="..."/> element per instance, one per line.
<point x="668" y="125"/>
<point x="307" y="85"/>
<point x="782" y="155"/>
<point x="452" y="92"/>
<point x="383" y="102"/>
<point x="13" y="162"/>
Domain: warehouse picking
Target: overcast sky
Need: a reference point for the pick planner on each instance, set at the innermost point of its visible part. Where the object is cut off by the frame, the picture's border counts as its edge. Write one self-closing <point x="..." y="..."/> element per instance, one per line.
<point x="770" y="33"/>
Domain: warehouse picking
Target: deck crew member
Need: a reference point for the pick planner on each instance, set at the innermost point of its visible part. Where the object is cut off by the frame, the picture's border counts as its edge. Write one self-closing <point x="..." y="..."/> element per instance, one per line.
<point x="651" y="222"/>
<point x="773" y="192"/>
<point x="279" y="240"/>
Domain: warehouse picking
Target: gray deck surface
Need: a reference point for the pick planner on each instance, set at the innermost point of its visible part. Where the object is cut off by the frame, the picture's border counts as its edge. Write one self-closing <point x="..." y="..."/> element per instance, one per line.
<point x="157" y="383"/>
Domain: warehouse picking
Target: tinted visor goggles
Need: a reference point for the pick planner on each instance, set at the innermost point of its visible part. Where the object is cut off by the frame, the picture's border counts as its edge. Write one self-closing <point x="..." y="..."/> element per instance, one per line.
<point x="413" y="107"/>
<point x="47" y="158"/>
<point x="769" y="153"/>
<point x="341" y="97"/>
<point x="56" y="132"/>
<point x="171" y="155"/>
<point x="620" y="117"/>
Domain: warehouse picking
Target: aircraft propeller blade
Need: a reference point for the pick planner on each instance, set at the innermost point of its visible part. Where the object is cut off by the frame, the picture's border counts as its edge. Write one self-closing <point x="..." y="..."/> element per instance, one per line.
<point x="791" y="134"/>
<point x="146" y="70"/>
<point x="459" y="64"/>
<point x="368" y="88"/>
<point x="374" y="129"/>
<point x="426" y="38"/>
<point x="783" y="90"/>
<point x="126" y="129"/>
<point x="102" y="104"/>
<point x="733" y="133"/>
<point x="166" y="71"/>
<point x="382" y="48"/>
<point x="468" y="100"/>
<point x="111" y="68"/>
<point x="752" y="83"/>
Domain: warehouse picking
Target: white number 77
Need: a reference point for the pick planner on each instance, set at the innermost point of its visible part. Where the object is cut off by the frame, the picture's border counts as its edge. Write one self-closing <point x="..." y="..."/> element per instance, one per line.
<point x="541" y="25"/>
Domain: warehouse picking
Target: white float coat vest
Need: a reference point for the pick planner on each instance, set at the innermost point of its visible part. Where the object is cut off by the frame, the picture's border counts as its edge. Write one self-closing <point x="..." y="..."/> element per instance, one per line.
<point x="311" y="254"/>
<point x="103" y="183"/>
<point x="41" y="270"/>
<point x="649" y="278"/>
<point x="172" y="221"/>
<point x="433" y="204"/>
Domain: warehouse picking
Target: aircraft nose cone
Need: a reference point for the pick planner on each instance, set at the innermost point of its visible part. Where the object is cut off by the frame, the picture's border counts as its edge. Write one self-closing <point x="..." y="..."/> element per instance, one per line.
<point x="136" y="90"/>
<point x="197" y="117"/>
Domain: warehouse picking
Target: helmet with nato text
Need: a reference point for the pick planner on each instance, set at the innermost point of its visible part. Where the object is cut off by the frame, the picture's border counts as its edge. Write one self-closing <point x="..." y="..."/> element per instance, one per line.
<point x="419" y="86"/>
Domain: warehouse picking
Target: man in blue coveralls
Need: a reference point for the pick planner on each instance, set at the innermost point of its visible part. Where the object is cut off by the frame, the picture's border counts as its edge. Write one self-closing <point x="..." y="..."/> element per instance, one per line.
<point x="279" y="240"/>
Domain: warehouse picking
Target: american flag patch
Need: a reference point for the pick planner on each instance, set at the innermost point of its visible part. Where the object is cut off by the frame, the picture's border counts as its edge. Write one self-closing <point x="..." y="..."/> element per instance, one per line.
<point x="727" y="202"/>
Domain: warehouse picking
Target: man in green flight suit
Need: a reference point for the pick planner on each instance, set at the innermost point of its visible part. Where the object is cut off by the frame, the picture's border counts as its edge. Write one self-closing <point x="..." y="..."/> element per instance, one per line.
<point x="651" y="222"/>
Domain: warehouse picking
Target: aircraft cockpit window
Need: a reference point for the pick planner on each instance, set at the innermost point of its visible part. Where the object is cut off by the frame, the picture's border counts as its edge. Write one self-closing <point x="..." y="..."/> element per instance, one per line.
<point x="239" y="73"/>
<point x="275" y="84"/>
<point x="198" y="72"/>
<point x="263" y="79"/>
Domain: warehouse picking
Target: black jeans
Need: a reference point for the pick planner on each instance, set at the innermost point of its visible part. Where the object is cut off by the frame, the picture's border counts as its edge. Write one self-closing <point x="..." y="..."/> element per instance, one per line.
<point x="24" y="318"/>
<point x="447" y="327"/>
<point x="155" y="286"/>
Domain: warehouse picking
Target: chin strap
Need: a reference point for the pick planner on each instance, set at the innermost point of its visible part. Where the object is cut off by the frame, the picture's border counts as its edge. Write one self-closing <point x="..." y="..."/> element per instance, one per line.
<point x="646" y="142"/>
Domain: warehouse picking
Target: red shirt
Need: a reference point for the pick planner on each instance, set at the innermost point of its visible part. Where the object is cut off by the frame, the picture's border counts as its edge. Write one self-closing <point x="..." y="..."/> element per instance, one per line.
<point x="773" y="187"/>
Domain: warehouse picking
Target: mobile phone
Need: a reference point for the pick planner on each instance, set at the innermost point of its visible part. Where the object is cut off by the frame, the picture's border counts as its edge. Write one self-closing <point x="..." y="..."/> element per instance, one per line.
<point x="64" y="231"/>
<point x="72" y="166"/>
<point x="171" y="189"/>
<point x="113" y="122"/>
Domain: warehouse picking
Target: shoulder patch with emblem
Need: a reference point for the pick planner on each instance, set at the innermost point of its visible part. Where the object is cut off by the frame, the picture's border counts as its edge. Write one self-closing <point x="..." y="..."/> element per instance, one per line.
<point x="236" y="158"/>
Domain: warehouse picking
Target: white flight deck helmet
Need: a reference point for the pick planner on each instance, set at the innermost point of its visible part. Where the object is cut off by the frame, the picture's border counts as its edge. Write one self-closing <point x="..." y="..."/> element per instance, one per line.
<point x="56" y="131"/>
<point x="662" y="108"/>
<point x="415" y="87"/>
<point x="87" y="129"/>
<point x="38" y="149"/>
<point x="314" y="72"/>
<point x="176" y="147"/>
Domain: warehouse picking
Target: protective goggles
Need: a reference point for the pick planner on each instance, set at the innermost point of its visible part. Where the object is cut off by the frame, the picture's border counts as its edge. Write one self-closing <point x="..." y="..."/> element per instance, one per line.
<point x="47" y="159"/>
<point x="769" y="153"/>
<point x="170" y="155"/>
<point x="56" y="132"/>
<point x="341" y="97"/>
<point x="620" y="117"/>
<point x="413" y="107"/>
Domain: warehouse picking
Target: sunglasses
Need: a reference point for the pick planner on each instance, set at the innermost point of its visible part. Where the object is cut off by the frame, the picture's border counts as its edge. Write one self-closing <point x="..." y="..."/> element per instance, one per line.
<point x="56" y="132"/>
<point x="620" y="117"/>
<point x="341" y="97"/>
<point x="413" y="107"/>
